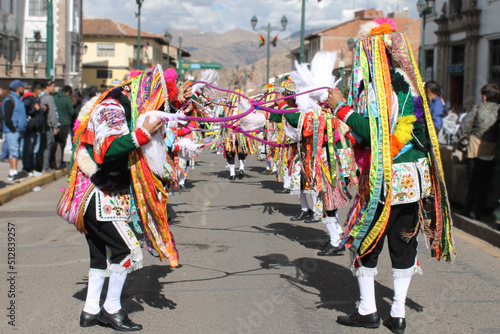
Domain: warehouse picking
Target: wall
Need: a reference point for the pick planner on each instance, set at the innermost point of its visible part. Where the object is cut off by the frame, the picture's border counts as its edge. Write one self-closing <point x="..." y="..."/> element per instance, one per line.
<point x="120" y="62"/>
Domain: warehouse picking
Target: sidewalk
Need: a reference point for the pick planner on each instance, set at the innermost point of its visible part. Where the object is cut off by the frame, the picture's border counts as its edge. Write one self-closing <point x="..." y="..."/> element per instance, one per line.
<point x="10" y="189"/>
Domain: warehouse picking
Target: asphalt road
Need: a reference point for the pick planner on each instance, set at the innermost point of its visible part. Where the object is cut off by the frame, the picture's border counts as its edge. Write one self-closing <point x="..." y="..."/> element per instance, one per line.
<point x="245" y="268"/>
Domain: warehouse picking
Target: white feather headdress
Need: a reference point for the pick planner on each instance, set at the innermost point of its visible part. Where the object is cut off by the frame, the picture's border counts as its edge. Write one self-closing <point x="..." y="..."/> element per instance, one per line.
<point x="319" y="75"/>
<point x="209" y="76"/>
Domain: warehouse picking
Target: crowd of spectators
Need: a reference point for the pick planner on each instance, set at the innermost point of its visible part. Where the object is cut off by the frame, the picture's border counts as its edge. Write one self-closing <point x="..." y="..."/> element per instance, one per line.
<point x="36" y="125"/>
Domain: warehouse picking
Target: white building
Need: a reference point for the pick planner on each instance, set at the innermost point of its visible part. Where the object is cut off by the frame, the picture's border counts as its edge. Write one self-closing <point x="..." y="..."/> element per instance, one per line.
<point x="23" y="40"/>
<point x="462" y="47"/>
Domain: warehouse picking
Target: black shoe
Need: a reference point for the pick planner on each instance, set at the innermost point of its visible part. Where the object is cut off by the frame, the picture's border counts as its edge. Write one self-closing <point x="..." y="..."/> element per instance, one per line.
<point x="311" y="219"/>
<point x="118" y="321"/>
<point x="231" y="178"/>
<point x="331" y="250"/>
<point x="241" y="174"/>
<point x="14" y="178"/>
<point x="282" y="191"/>
<point x="355" y="319"/>
<point x="183" y="189"/>
<point x="302" y="215"/>
<point x="325" y="245"/>
<point x="395" y="325"/>
<point x="88" y="320"/>
<point x="22" y="175"/>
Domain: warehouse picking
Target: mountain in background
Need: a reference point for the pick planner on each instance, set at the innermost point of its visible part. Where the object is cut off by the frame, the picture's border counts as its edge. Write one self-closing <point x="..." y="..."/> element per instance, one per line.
<point x="238" y="47"/>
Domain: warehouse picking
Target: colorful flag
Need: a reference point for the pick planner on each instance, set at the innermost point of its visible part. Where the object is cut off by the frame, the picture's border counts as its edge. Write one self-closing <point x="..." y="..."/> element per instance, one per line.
<point x="262" y="41"/>
<point x="250" y="76"/>
<point x="275" y="40"/>
<point x="146" y="45"/>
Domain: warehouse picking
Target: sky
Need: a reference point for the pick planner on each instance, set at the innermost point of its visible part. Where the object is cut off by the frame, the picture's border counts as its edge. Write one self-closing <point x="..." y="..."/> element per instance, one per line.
<point x="224" y="15"/>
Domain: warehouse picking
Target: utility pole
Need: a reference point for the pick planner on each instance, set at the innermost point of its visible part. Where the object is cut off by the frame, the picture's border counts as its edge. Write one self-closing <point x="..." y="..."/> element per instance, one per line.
<point x="138" y="61"/>
<point x="179" y="58"/>
<point x="268" y="28"/>
<point x="302" y="31"/>
<point x="50" y="40"/>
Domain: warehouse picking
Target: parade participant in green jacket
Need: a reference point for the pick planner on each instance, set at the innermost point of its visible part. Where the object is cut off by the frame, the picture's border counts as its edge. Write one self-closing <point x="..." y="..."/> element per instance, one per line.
<point x="400" y="165"/>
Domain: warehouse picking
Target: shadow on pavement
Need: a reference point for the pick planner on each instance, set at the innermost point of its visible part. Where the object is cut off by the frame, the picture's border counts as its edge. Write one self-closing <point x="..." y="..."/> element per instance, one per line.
<point x="141" y="287"/>
<point x="307" y="236"/>
<point x="335" y="286"/>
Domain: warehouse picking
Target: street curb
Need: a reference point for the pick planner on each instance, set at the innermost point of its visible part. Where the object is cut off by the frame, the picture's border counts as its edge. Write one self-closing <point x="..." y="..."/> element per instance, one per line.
<point x="13" y="191"/>
<point x="477" y="229"/>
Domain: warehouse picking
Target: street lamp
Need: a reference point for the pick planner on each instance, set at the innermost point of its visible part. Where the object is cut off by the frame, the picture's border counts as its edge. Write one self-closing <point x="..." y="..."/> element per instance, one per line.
<point x="139" y="5"/>
<point x="351" y="45"/>
<point x="50" y="40"/>
<point x="179" y="57"/>
<point x="268" y="28"/>
<point x="424" y="7"/>
<point x="302" y="31"/>
<point x="168" y="38"/>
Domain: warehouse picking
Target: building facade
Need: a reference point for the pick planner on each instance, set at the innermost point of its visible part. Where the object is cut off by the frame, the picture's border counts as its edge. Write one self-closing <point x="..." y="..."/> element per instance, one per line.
<point x="110" y="51"/>
<point x="336" y="38"/>
<point x="23" y="41"/>
<point x="462" y="48"/>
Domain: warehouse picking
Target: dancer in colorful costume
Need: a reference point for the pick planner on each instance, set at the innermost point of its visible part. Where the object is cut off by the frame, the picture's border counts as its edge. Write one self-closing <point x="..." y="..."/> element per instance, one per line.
<point x="400" y="165"/>
<point x="286" y="160"/>
<point x="105" y="197"/>
<point x="236" y="144"/>
<point x="327" y="163"/>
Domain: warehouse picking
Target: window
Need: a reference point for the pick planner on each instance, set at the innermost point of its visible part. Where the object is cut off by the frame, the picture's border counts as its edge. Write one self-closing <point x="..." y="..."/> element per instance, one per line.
<point x="458" y="54"/>
<point x="36" y="52"/>
<point x="429" y="64"/>
<point x="37" y="8"/>
<point x="495" y="61"/>
<point x="74" y="58"/>
<point x="135" y="50"/>
<point x="105" y="50"/>
<point x="455" y="7"/>
<point x="104" y="74"/>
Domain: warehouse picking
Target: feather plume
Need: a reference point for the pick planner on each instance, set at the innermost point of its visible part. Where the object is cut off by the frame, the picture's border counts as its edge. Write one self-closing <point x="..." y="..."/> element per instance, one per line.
<point x="252" y="121"/>
<point x="155" y="151"/>
<point x="319" y="75"/>
<point x="209" y="76"/>
<point x="187" y="149"/>
<point x="365" y="29"/>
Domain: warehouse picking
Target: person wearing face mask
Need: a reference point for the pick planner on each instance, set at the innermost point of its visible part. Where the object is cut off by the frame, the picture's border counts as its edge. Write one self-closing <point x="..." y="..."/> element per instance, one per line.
<point x="33" y="135"/>
<point x="14" y="125"/>
<point x="51" y="125"/>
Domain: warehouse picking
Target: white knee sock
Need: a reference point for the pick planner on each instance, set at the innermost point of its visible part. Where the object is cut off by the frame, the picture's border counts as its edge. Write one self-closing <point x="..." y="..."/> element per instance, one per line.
<point x="401" y="285"/>
<point x="94" y="289"/>
<point x="182" y="179"/>
<point x="303" y="202"/>
<point x="286" y="180"/>
<point x="334" y="230"/>
<point x="115" y="286"/>
<point x="268" y="164"/>
<point x="367" y="303"/>
<point x="231" y="170"/>
<point x="242" y="164"/>
<point x="314" y="198"/>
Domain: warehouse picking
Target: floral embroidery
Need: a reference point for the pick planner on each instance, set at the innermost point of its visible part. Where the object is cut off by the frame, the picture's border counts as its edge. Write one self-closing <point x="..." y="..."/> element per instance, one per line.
<point x="405" y="186"/>
<point x="107" y="209"/>
<point x="407" y="182"/>
<point x="113" y="206"/>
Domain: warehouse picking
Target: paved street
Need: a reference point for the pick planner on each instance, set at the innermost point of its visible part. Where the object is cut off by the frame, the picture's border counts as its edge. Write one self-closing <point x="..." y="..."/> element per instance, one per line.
<point x="245" y="268"/>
